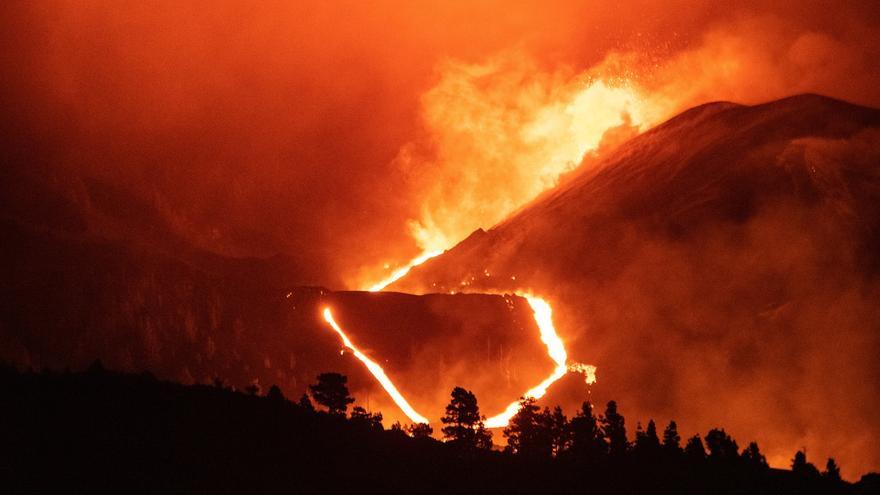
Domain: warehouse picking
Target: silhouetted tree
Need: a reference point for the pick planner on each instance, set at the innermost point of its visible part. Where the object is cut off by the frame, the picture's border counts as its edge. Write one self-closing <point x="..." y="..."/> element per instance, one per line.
<point x="721" y="446"/>
<point x="647" y="440"/>
<point x="529" y="431"/>
<point x="464" y="425"/>
<point x="362" y="417"/>
<point x="671" y="439"/>
<point x="376" y="420"/>
<point x="832" y="471"/>
<point x="358" y="414"/>
<point x="559" y="431"/>
<point x="587" y="438"/>
<point x="694" y="448"/>
<point x="651" y="434"/>
<point x="614" y="430"/>
<point x="331" y="391"/>
<point x="420" y="430"/>
<point x="306" y="403"/>
<point x="801" y="467"/>
<point x="753" y="457"/>
<point x="253" y="388"/>
<point x="316" y="449"/>
<point x="275" y="395"/>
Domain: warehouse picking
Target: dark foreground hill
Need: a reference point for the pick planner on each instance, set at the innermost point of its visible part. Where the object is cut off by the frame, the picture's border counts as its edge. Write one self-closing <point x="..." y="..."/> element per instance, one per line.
<point x="138" y="311"/>
<point x="104" y="432"/>
<point x="88" y="271"/>
<point x="723" y="266"/>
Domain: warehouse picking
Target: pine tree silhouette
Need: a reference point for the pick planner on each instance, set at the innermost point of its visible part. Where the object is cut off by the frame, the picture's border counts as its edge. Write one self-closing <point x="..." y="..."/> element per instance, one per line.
<point x="671" y="439"/>
<point x="832" y="471"/>
<point x="464" y="425"/>
<point x="614" y="430"/>
<point x="802" y="468"/>
<point x="420" y="430"/>
<point x="753" y="456"/>
<point x="587" y="438"/>
<point x="721" y="446"/>
<point x="331" y="391"/>
<point x="694" y="449"/>
<point x="529" y="431"/>
<point x="306" y="403"/>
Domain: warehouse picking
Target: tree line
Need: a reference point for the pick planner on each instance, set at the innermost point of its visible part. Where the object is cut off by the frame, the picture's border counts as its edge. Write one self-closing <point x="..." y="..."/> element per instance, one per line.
<point x="81" y="431"/>
<point x="540" y="434"/>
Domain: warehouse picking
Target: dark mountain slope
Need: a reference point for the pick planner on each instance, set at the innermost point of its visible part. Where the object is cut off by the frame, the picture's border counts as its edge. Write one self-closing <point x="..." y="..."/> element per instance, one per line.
<point x="89" y="272"/>
<point x="722" y="263"/>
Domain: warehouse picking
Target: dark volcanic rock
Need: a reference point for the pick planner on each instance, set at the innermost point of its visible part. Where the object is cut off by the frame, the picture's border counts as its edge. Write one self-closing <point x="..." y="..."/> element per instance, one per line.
<point x="719" y="268"/>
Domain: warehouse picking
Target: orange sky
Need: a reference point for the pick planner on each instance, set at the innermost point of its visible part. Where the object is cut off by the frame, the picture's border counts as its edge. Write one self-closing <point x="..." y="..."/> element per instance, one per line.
<point x="353" y="135"/>
<point x="291" y="127"/>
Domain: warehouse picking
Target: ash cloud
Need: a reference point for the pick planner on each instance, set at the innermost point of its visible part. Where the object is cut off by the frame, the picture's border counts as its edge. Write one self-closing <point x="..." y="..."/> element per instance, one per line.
<point x="720" y="270"/>
<point x="308" y="129"/>
<point x="276" y="128"/>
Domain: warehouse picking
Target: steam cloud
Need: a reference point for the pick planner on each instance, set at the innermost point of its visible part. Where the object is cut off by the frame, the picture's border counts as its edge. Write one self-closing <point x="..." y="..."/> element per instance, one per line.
<point x="308" y="129"/>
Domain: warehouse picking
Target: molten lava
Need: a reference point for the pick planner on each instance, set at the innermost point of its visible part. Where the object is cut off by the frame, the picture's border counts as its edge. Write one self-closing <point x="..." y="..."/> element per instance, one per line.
<point x="556" y="350"/>
<point x="377" y="372"/>
<point x="482" y="127"/>
<point x="543" y="318"/>
<point x="400" y="272"/>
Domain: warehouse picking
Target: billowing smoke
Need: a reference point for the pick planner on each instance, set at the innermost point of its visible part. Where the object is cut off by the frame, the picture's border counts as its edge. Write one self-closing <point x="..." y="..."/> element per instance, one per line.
<point x="350" y="136"/>
<point x="501" y="131"/>
<point x="307" y="129"/>
<point x="499" y="134"/>
<point x="721" y="269"/>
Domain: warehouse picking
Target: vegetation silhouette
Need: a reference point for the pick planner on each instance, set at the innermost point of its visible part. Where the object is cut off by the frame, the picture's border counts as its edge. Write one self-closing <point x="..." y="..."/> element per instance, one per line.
<point x="366" y="419"/>
<point x="420" y="430"/>
<point x="694" y="448"/>
<point x="529" y="433"/>
<point x="587" y="437"/>
<point x="101" y="431"/>
<point x="614" y="430"/>
<point x="331" y="391"/>
<point x="464" y="424"/>
<point x="671" y="439"/>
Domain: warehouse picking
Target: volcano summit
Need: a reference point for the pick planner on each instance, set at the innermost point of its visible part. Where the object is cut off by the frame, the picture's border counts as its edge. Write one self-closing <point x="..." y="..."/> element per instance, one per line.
<point x="723" y="263"/>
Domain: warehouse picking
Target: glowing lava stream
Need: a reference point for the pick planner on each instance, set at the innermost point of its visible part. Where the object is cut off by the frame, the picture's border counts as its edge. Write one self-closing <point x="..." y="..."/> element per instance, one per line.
<point x="377" y="371"/>
<point x="400" y="272"/>
<point x="556" y="350"/>
<point x="543" y="318"/>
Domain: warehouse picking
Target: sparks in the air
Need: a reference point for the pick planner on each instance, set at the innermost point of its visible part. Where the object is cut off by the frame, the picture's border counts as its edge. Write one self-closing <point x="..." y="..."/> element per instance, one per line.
<point x="377" y="372"/>
<point x="556" y="349"/>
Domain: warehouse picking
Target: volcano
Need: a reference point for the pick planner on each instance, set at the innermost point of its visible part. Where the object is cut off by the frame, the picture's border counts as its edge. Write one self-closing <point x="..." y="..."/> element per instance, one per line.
<point x="719" y="268"/>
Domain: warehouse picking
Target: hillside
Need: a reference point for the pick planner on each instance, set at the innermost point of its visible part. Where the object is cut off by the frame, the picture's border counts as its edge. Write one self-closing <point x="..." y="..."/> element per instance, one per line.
<point x="191" y="316"/>
<point x="106" y="432"/>
<point x="720" y="264"/>
<point x="90" y="272"/>
<point x="723" y="263"/>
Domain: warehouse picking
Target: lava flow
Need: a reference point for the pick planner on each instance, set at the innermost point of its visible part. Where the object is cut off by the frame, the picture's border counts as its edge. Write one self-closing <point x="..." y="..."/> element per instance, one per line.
<point x="556" y="350"/>
<point x="400" y="272"/>
<point x="377" y="372"/>
<point x="543" y="318"/>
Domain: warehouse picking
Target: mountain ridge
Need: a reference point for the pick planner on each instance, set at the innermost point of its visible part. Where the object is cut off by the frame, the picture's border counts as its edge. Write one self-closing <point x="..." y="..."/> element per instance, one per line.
<point x="679" y="243"/>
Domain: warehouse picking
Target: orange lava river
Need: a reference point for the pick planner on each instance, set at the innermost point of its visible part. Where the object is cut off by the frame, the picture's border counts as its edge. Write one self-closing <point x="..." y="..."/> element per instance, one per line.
<point x="555" y="348"/>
